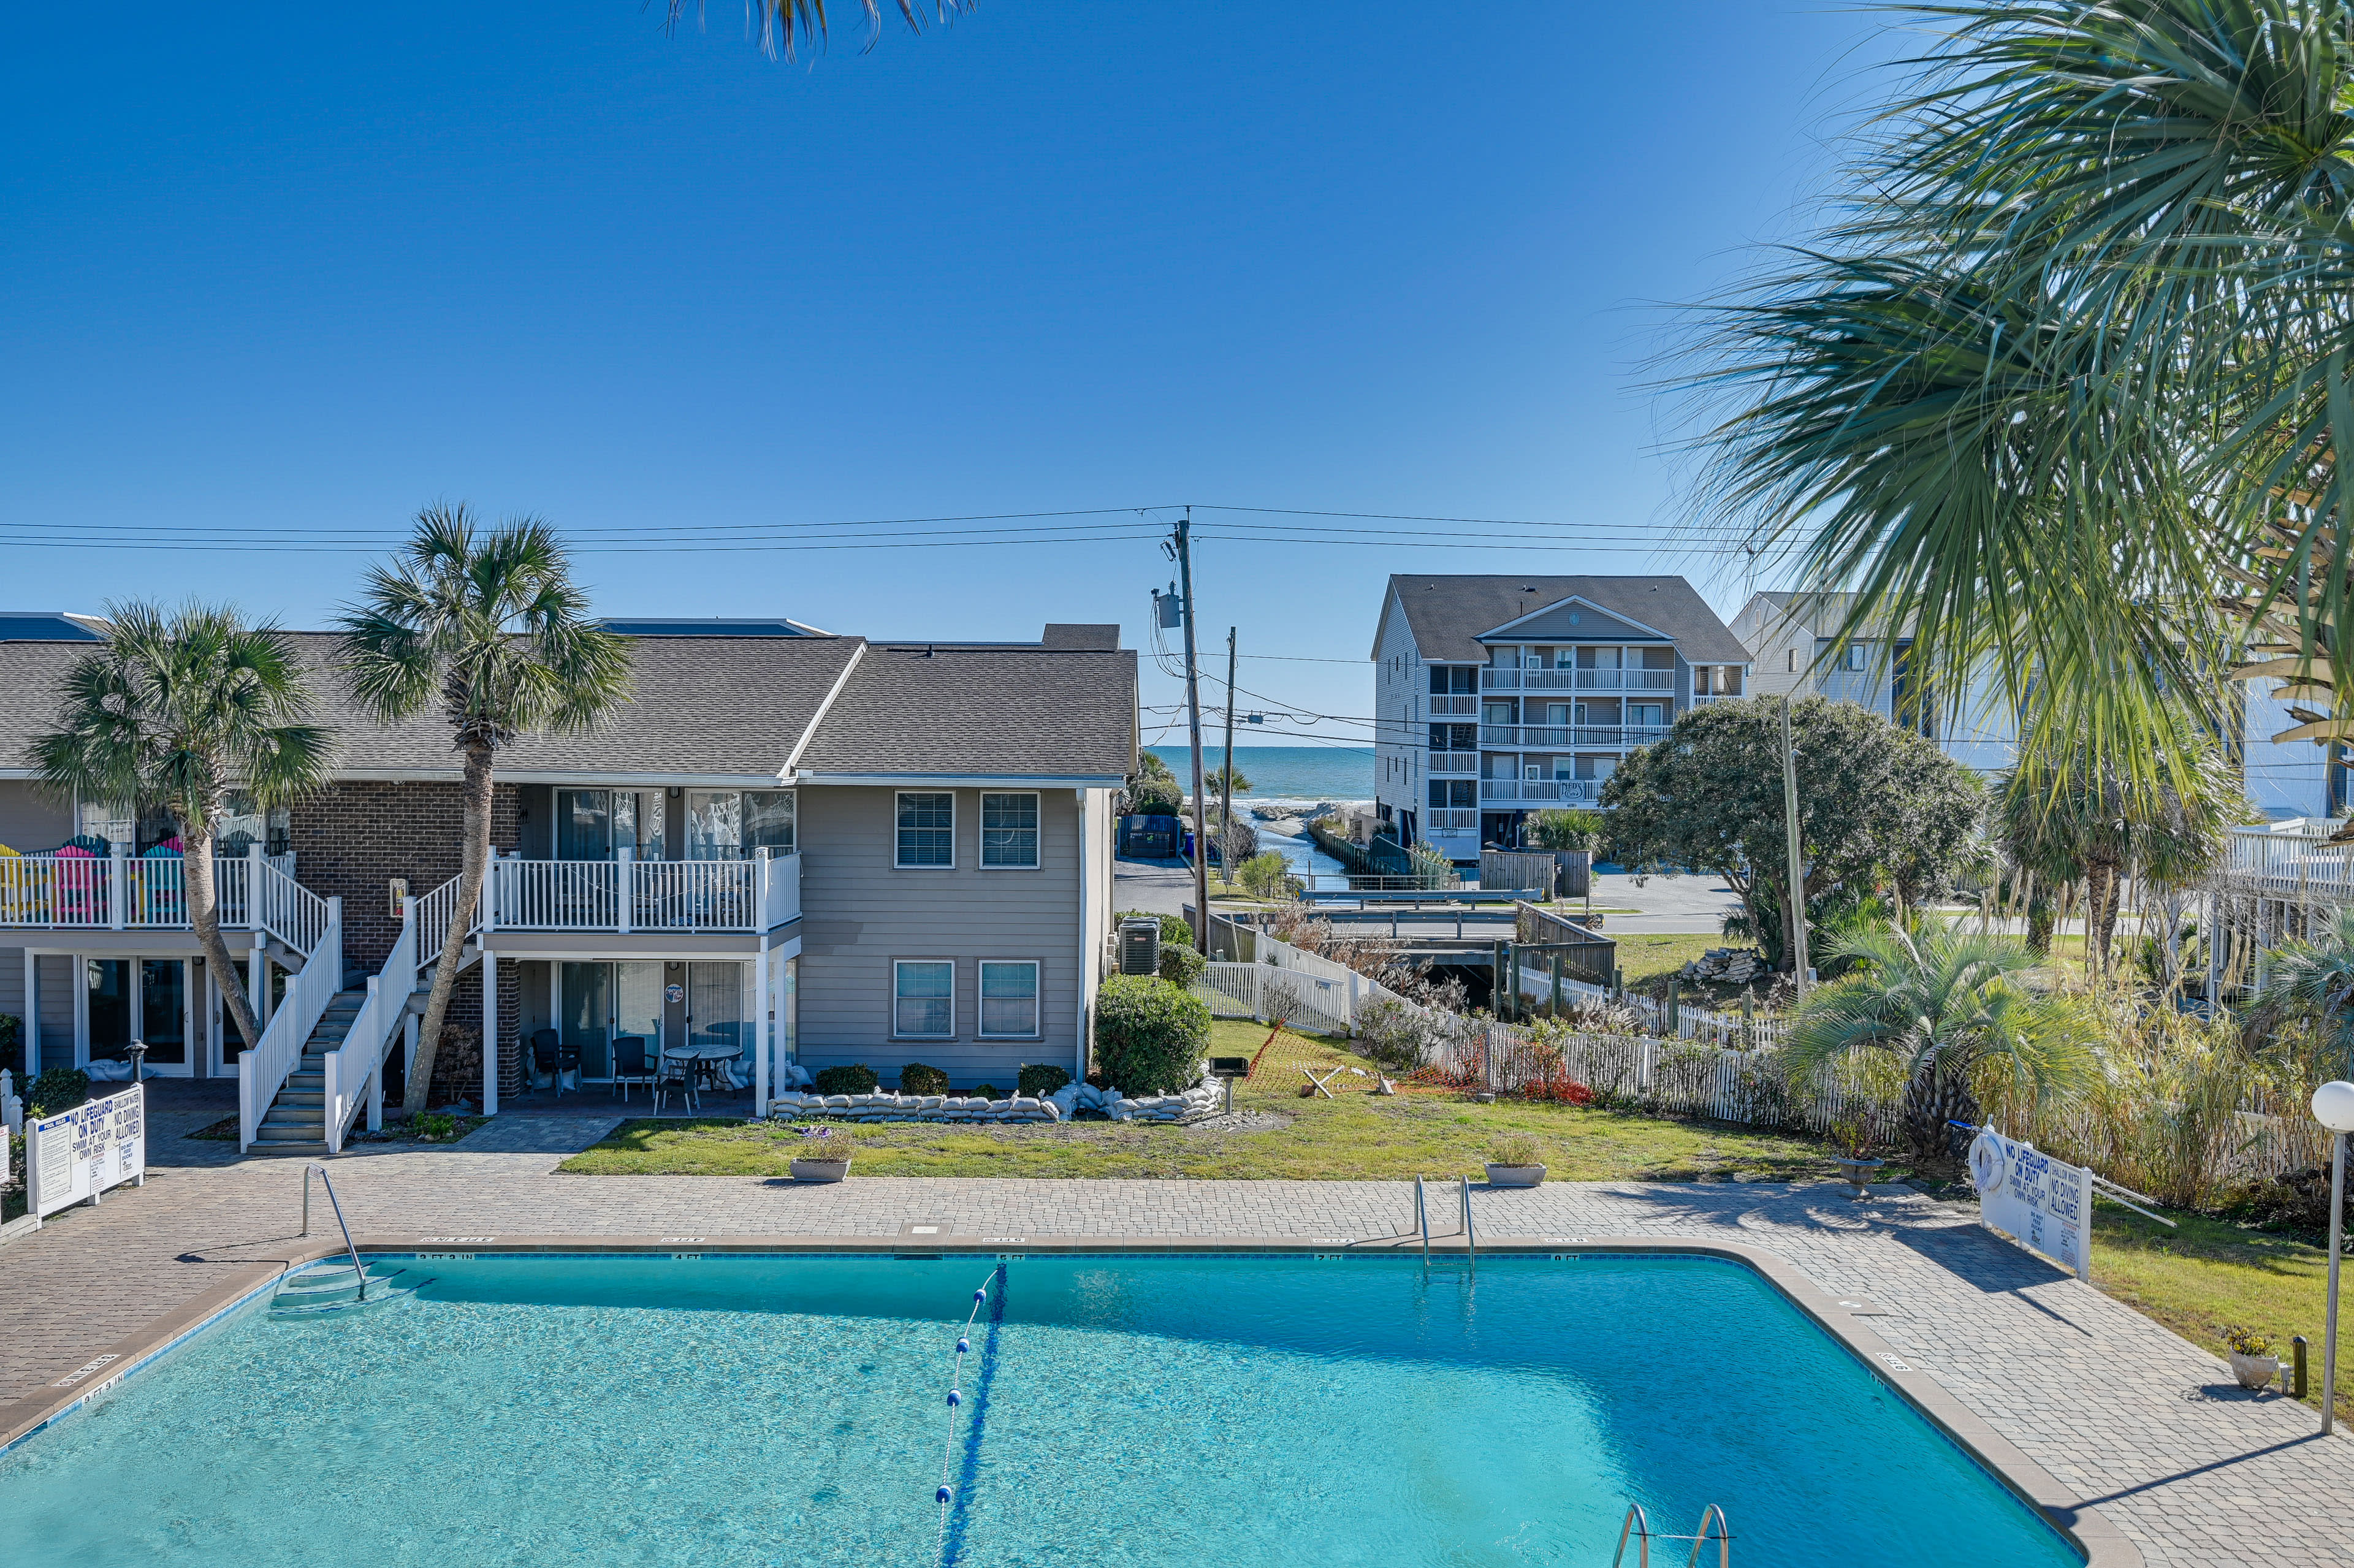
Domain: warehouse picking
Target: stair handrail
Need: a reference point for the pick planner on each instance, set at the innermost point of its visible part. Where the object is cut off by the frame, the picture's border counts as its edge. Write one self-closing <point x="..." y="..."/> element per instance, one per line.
<point x="262" y="1070"/>
<point x="433" y="915"/>
<point x="359" y="1060"/>
<point x="1470" y="1237"/>
<point x="288" y="910"/>
<point x="328" y="1181"/>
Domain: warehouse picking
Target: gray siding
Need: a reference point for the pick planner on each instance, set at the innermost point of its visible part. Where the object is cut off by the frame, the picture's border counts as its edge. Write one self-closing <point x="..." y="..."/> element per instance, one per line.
<point x="861" y="913"/>
<point x="55" y="983"/>
<point x="30" y="820"/>
<point x="1592" y="625"/>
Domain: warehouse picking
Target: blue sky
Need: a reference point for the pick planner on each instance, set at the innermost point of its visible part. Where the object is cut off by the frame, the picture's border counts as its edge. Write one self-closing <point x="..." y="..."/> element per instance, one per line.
<point x="277" y="277"/>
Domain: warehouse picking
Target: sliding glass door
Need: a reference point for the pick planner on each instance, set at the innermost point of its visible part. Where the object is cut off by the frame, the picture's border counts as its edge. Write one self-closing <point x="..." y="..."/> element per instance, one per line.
<point x="599" y="1002"/>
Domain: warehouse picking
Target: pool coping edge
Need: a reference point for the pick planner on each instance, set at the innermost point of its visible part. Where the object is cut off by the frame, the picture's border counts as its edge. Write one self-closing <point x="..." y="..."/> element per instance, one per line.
<point x="2102" y="1544"/>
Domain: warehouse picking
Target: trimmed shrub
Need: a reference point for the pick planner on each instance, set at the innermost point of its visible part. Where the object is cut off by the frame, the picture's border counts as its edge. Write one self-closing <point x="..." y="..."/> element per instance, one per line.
<point x="59" y="1089"/>
<point x="1175" y="929"/>
<point x="988" y="1092"/>
<point x="915" y="1078"/>
<point x="1040" y="1079"/>
<point x="1151" y="1036"/>
<point x="1181" y="964"/>
<point x="854" y="1080"/>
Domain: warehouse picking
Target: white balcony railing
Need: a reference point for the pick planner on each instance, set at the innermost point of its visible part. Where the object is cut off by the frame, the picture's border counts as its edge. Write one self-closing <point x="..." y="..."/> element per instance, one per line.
<point x="1451" y="820"/>
<point x="1463" y="762"/>
<point x="1700" y="699"/>
<point x="119" y="893"/>
<point x="2292" y="859"/>
<point x="1557" y="737"/>
<point x="1501" y="679"/>
<point x="1458" y="705"/>
<point x="628" y="895"/>
<point x="1543" y="791"/>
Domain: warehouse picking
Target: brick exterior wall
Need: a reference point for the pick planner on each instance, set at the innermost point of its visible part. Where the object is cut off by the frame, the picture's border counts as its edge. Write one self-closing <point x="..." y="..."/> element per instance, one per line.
<point x="353" y="839"/>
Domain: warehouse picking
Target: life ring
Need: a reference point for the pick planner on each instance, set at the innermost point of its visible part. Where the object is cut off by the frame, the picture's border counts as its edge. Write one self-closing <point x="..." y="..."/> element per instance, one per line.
<point x="1989" y="1169"/>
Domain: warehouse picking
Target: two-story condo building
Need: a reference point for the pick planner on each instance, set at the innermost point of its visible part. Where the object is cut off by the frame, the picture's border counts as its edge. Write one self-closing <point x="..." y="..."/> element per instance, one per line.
<point x="1497" y="696"/>
<point x="787" y="848"/>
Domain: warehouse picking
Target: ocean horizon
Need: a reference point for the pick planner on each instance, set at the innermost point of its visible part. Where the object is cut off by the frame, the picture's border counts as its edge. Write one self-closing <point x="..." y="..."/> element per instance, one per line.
<point x="1285" y="772"/>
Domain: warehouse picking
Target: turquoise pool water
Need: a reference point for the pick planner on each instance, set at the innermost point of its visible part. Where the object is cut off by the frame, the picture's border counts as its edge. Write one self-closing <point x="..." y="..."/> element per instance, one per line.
<point x="1151" y="1411"/>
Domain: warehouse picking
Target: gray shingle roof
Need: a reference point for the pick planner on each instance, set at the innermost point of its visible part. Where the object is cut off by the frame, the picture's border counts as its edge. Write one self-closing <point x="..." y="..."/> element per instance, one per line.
<point x="734" y="706"/>
<point x="703" y="707"/>
<point x="1020" y="712"/>
<point x="1445" y="613"/>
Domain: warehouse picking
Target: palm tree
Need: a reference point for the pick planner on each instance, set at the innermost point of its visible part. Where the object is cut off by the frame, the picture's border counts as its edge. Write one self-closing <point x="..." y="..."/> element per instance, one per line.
<point x="1952" y="1008"/>
<point x="2061" y="824"/>
<point x="2312" y="979"/>
<point x="489" y="627"/>
<point x="182" y="709"/>
<point x="2064" y="389"/>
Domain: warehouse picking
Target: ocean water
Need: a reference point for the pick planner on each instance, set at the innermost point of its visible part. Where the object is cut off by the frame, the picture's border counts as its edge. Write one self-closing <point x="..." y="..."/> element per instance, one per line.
<point x="1139" y="1410"/>
<point x="1305" y="773"/>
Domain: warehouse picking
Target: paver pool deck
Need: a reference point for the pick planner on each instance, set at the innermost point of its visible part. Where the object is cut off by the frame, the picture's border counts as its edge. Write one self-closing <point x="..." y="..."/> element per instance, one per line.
<point x="2145" y="1428"/>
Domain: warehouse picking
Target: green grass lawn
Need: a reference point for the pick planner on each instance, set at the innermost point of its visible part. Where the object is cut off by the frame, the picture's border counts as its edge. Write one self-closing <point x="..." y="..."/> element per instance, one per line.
<point x="2208" y="1275"/>
<point x="1358" y="1136"/>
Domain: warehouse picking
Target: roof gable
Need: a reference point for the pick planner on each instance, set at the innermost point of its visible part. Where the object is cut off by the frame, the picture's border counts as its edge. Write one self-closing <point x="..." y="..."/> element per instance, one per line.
<point x="1575" y="618"/>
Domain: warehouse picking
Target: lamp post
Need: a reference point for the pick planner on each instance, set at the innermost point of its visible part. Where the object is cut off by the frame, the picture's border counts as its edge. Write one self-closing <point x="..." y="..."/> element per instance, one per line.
<point x="2333" y="1107"/>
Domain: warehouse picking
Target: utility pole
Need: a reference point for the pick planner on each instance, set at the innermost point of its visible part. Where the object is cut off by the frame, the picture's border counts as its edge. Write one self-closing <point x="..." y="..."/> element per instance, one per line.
<point x="1184" y="554"/>
<point x="1795" y="892"/>
<point x="1227" y="829"/>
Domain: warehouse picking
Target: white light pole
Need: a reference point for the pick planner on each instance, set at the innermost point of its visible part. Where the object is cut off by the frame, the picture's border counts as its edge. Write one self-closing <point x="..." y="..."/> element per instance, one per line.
<point x="2333" y="1107"/>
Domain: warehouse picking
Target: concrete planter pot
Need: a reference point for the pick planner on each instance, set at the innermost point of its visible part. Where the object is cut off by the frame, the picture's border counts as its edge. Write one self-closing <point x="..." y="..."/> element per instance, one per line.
<point x="820" y="1170"/>
<point x="1857" y="1174"/>
<point x="1515" y="1175"/>
<point x="2253" y="1371"/>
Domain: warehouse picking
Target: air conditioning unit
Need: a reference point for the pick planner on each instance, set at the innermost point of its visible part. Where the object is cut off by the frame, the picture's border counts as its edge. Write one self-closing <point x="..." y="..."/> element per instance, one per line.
<point x="1139" y="946"/>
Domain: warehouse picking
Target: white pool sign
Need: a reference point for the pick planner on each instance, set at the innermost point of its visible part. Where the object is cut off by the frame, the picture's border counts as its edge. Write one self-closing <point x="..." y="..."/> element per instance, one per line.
<point x="2042" y="1204"/>
<point x="78" y="1154"/>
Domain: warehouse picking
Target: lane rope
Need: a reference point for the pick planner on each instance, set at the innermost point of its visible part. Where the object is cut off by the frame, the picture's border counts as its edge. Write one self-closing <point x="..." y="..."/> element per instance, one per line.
<point x="947" y="1494"/>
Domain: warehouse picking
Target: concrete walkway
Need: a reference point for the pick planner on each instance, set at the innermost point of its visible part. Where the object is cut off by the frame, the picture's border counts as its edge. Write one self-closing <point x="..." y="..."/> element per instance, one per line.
<point x="2149" y="1430"/>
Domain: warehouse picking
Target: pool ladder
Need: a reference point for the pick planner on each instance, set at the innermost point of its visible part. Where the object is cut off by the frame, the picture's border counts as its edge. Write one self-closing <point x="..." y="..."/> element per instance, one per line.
<point x="1464" y="1227"/>
<point x="1639" y="1529"/>
<point x="324" y="1286"/>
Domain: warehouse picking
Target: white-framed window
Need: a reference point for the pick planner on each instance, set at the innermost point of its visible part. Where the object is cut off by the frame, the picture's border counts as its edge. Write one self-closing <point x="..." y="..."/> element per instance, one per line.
<point x="926" y="829"/>
<point x="1794" y="661"/>
<point x="1009" y="832"/>
<point x="923" y="999"/>
<point x="1855" y="655"/>
<point x="1009" y="999"/>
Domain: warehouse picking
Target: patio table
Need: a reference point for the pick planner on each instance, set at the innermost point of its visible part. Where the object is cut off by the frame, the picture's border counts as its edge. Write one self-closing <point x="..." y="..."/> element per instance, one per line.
<point x="717" y="1061"/>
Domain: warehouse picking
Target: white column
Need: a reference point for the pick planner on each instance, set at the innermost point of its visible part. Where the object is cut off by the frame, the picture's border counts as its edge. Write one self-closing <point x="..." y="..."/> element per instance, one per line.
<point x="760" y="1018"/>
<point x="490" y="1032"/>
<point x="1090" y="937"/>
<point x="118" y="889"/>
<point x="625" y="887"/>
<point x="32" y="1028"/>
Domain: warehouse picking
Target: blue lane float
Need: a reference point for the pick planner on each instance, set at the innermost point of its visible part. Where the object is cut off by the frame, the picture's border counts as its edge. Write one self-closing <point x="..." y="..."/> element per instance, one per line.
<point x="945" y="1495"/>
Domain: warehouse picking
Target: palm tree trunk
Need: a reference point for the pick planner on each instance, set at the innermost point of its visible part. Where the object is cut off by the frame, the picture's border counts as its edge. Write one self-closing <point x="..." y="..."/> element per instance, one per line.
<point x="1932" y="1099"/>
<point x="199" y="886"/>
<point x="2101" y="887"/>
<point x="453" y="945"/>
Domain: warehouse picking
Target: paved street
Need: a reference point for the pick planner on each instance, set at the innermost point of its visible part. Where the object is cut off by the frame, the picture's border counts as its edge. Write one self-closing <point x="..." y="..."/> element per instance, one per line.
<point x="2148" y="1429"/>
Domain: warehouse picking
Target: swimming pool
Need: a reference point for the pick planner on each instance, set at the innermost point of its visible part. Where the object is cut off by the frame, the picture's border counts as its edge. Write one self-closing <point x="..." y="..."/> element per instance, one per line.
<point x="1130" y="1409"/>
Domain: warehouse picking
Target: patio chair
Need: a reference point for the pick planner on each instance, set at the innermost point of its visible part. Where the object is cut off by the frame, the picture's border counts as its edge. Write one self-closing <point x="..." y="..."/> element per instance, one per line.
<point x="677" y="1078"/>
<point x="550" y="1054"/>
<point x="633" y="1063"/>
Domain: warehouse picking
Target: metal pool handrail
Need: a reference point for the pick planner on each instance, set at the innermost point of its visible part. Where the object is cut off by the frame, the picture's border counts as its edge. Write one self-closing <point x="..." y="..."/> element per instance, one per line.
<point x="328" y="1183"/>
<point x="1422" y="1219"/>
<point x="1470" y="1237"/>
<point x="1713" y="1527"/>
